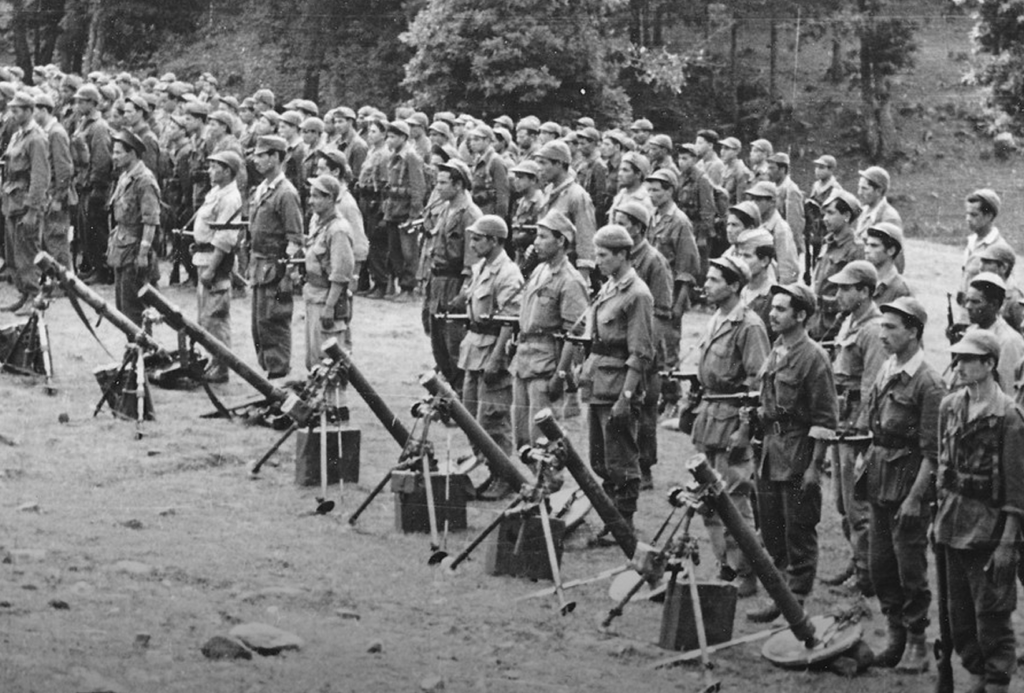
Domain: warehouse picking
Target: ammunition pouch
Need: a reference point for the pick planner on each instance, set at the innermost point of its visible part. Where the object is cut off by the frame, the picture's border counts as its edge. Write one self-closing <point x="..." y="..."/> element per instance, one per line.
<point x="974" y="486"/>
<point x="615" y="350"/>
<point x="492" y="329"/>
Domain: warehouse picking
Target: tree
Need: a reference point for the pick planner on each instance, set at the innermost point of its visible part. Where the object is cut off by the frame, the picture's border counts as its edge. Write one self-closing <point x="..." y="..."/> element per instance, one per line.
<point x="554" y="58"/>
<point x="997" y="32"/>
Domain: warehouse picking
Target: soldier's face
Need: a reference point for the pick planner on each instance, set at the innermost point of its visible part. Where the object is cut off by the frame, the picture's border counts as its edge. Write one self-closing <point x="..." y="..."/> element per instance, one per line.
<point x="822" y="173"/>
<point x="976" y="219"/>
<point x="310" y="137"/>
<point x="132" y="115"/>
<point x="481" y="245"/>
<point x="445" y="186"/>
<point x="895" y="335"/>
<point x="395" y="141"/>
<point x="247" y="115"/>
<point x="764" y="205"/>
<point x="729" y="154"/>
<point x="21" y="114"/>
<point x="586" y="145"/>
<point x="546" y="243"/>
<point x="849" y="298"/>
<point x="548" y="169"/>
<point x="287" y="130"/>
<point x="659" y="193"/>
<point x="716" y="288"/>
<point x="40" y="115"/>
<point x="437" y="139"/>
<point x="972" y="369"/>
<point x="867" y="193"/>
<point x="757" y="156"/>
<point x="783" y="316"/>
<point x="264" y="161"/>
<point x="477" y="145"/>
<point x="607" y="149"/>
<point x="757" y="265"/>
<point x="607" y="260"/>
<point x="686" y="160"/>
<point x="320" y="202"/>
<point x="774" y="172"/>
<point x="641" y="136"/>
<point x="524" y="138"/>
<point x="733" y="228"/>
<point x="979" y="310"/>
<point x="702" y="145"/>
<point x="874" y="251"/>
<point x="375" y="135"/>
<point x="522" y="182"/>
<point x="545" y="137"/>
<point x="834" y="221"/>
<point x="119" y="155"/>
<point x="219" y="174"/>
<point x="627" y="175"/>
<point x="995" y="267"/>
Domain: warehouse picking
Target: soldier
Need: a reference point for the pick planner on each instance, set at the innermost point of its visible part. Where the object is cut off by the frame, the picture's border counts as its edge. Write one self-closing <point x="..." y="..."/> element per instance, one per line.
<point x="633" y="171"/>
<point x="708" y="161"/>
<point x="526" y="137"/>
<point x="549" y="132"/>
<point x="789" y="198"/>
<point x="441" y="136"/>
<point x="403" y="201"/>
<point x="653" y="269"/>
<point x="671" y="234"/>
<point x="980" y="503"/>
<point x="981" y="209"/>
<point x="641" y="130"/>
<point x="901" y="412"/>
<point x="330" y="271"/>
<point x="592" y="173"/>
<point x="195" y="115"/>
<point x="348" y="140"/>
<point x="525" y="180"/>
<point x="764" y="194"/>
<point x="760" y="150"/>
<point x="563" y="193"/>
<point x="26" y="177"/>
<point x="858" y="356"/>
<point x="214" y="250"/>
<point x="825" y="184"/>
<point x="90" y="147"/>
<point x="372" y="181"/>
<point x="61" y="197"/>
<point x="621" y="329"/>
<point x="871" y="189"/>
<point x="333" y="163"/>
<point x="220" y="137"/>
<point x="135" y="210"/>
<point x="732" y="352"/>
<point x="799" y="412"/>
<point x="883" y="245"/>
<point x="275" y="229"/>
<point x="418" y="123"/>
<point x="756" y="247"/>
<point x="737" y="177"/>
<point x="984" y="299"/>
<point x="839" y="247"/>
<point x="490" y="176"/>
<point x="136" y="110"/>
<point x="696" y="197"/>
<point x="659" y="151"/>
<point x="450" y="260"/>
<point x="554" y="302"/>
<point x="311" y="131"/>
<point x="177" y="194"/>
<point x="492" y="289"/>
<point x="1000" y="259"/>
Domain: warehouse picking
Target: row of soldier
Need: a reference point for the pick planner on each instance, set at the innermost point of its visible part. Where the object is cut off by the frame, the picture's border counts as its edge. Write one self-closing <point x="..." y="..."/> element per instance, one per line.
<point x="631" y="326"/>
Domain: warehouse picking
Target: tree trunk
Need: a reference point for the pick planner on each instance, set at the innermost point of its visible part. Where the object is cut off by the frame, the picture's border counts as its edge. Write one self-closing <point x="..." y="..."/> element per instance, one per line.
<point x="97" y="37"/>
<point x="19" y="32"/>
<point x="317" y="18"/>
<point x="868" y="98"/>
<point x="734" y="34"/>
<point x="888" y="139"/>
<point x="835" y="69"/>
<point x="773" y="59"/>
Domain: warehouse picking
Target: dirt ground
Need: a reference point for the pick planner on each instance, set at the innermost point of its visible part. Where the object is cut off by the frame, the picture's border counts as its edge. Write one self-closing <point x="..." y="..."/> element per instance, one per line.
<point x="155" y="546"/>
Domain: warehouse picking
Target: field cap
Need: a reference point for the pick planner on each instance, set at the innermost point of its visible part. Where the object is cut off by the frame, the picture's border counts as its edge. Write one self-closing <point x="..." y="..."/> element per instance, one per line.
<point x="763" y="188"/>
<point x="635" y="209"/>
<point x="314" y="124"/>
<point x="270" y="143"/>
<point x="909" y="307"/>
<point x="642" y="124"/>
<point x="755" y="238"/>
<point x="666" y="176"/>
<point x="762" y="145"/>
<point x="399" y="127"/>
<point x="886" y="229"/>
<point x="747" y="209"/>
<point x="731" y="143"/>
<point x="527" y="167"/>
<point x="989" y="197"/>
<point x="529" y="123"/>
<point x="555" y="150"/>
<point x="613" y="237"/>
<point x="688" y="147"/>
<point x="328" y="185"/>
<point x="489" y="225"/>
<point x="229" y="159"/>
<point x="638" y="161"/>
<point x="734" y="266"/>
<point x="984" y="280"/>
<point x="459" y="169"/>
<point x="129" y="140"/>
<point x="977" y="342"/>
<point x="88" y="92"/>
<point x="558" y="222"/>
<point x="663" y="141"/>
<point x="780" y="158"/>
<point x="997" y="252"/>
<point x="877" y="175"/>
<point x="856" y="272"/>
<point x="848" y="198"/>
<point x="801" y="294"/>
<point x="825" y="160"/>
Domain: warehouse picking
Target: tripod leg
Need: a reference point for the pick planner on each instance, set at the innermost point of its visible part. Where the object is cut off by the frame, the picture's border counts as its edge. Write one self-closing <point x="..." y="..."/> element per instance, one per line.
<point x="273" y="448"/>
<point x="47" y="356"/>
<point x="119" y="377"/>
<point x="337" y="408"/>
<point x="483" y="535"/>
<point x="563" y="607"/>
<point x="140" y="391"/>
<point x="702" y="638"/>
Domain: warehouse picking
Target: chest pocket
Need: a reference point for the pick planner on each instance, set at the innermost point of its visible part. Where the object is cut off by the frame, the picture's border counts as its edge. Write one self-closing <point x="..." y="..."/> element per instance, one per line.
<point x="897" y="416"/>
<point x="979" y="447"/>
<point x="787" y="391"/>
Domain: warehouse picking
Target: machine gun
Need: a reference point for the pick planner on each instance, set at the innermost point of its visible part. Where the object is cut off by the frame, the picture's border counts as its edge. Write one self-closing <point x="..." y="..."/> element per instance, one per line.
<point x="496" y="320"/>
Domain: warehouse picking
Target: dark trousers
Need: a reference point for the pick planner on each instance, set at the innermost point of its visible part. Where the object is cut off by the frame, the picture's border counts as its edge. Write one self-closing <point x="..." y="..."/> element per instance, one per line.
<point x="377" y="235"/>
<point x="491" y="405"/>
<point x="615" y="455"/>
<point x="94" y="230"/>
<point x="898" y="561"/>
<point x="979" y="615"/>
<point x="55" y="236"/>
<point x="272" y="306"/>
<point x="789" y="517"/>
<point x="403" y="254"/>
<point x="128" y="280"/>
<point x="647" y="425"/>
<point x="22" y="246"/>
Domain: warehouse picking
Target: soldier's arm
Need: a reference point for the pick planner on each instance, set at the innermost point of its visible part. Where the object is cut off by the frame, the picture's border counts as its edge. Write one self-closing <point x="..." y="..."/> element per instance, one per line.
<point x="705" y="206"/>
<point x="870" y="339"/>
<point x="754" y="345"/>
<point x="585" y="230"/>
<point x="687" y="256"/>
<point x="417" y="184"/>
<point x="63" y="167"/>
<point x="290" y="212"/>
<point x="639" y="340"/>
<point x="39" y="177"/>
<point x="821" y="397"/>
<point x="499" y="176"/>
<point x="100" y="166"/>
<point x="149" y="209"/>
<point x="1012" y="462"/>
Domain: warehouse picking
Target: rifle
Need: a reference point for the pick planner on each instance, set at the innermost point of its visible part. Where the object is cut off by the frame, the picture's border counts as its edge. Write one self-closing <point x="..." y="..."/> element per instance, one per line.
<point x="944" y="643"/>
<point x="695" y="395"/>
<point x="954" y="330"/>
<point x="499" y="320"/>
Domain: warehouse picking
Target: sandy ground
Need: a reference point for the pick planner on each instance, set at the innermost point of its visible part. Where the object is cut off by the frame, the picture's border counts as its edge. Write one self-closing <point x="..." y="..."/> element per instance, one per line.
<point x="157" y="545"/>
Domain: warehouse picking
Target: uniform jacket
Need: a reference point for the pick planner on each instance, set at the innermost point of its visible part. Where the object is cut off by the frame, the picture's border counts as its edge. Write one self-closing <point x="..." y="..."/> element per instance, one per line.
<point x="697" y="199"/>
<point x="493" y="289"/>
<point x="785" y="248"/>
<point x="672" y="234"/>
<point x="62" y="169"/>
<point x="652" y="268"/>
<point x="329" y="259"/>
<point x="858" y="357"/>
<point x="135" y="203"/>
<point x="27" y="174"/>
<point x="790" y="204"/>
<point x="355" y="150"/>
<point x="737" y="179"/>
<point x="571" y="199"/>
<point x="275" y="218"/>
<point x="490" y="184"/>
<point x="92" y="138"/>
<point x="406" y="187"/>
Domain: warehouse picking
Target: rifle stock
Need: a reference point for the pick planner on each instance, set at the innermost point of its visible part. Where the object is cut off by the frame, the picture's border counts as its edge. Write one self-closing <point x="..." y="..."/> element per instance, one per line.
<point x="944" y="645"/>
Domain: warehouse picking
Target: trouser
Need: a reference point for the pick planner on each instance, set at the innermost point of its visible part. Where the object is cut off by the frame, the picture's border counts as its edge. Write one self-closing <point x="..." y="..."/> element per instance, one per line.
<point x="856" y="514"/>
<point x="403" y="254"/>
<point x="214" y="311"/>
<point x="670" y="388"/>
<point x="55" y="235"/>
<point x="647" y="425"/>
<point x="316" y="335"/>
<point x="22" y="245"/>
<point x="272" y="327"/>
<point x="93" y="225"/>
<point x="979" y="615"/>
<point x="377" y="235"/>
<point x="445" y="336"/>
<point x="789" y="516"/>
<point x="529" y="396"/>
<point x="899" y="566"/>
<point x="738" y="478"/>
<point x="615" y="455"/>
<point x="128" y="280"/>
<point x="491" y="405"/>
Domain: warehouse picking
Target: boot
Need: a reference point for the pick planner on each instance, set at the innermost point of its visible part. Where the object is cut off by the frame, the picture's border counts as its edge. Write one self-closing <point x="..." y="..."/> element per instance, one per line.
<point x="766" y="614"/>
<point x="893" y="652"/>
<point x="915" y="656"/>
<point x="605" y="538"/>
<point x="746" y="586"/>
<point x="844" y="575"/>
<point x="18" y="303"/>
<point x="499" y="489"/>
<point x="996" y="688"/>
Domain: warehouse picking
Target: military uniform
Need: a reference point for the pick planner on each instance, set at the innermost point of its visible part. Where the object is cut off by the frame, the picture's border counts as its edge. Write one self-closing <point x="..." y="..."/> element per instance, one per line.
<point x="572" y="200"/>
<point x="671" y="234"/>
<point x="450" y="263"/>
<point x="527" y="213"/>
<point x="222" y="205"/>
<point x="736" y="180"/>
<point x="372" y="180"/>
<point x="980" y="481"/>
<point x="786" y="254"/>
<point x="275" y="219"/>
<point x="355" y="150"/>
<point x="404" y="196"/>
<point x="25" y="182"/>
<point x="135" y="203"/>
<point x="621" y="326"/>
<point x="696" y="197"/>
<point x="732" y="352"/>
<point x="592" y="175"/>
<point x="554" y="300"/>
<point x="490" y="183"/>
<point x="492" y="290"/>
<point x="90" y="146"/>
<point x="891" y="286"/>
<point x="790" y="205"/>
<point x="902" y="413"/>
<point x="61" y="197"/>
<point x="329" y="260"/>
<point x="798" y="406"/>
<point x="836" y="253"/>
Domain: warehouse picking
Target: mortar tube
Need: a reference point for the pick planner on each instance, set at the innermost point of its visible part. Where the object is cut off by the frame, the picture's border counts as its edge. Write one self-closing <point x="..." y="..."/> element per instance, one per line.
<point x="45" y="262"/>
<point x="605" y="507"/>
<point x="177" y="321"/>
<point x="502" y="465"/>
<point x="373" y="400"/>
<point x="773" y="581"/>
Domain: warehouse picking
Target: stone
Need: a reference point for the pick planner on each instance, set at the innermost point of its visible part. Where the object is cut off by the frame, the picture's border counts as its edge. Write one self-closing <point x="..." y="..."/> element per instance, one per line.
<point x="133" y="568"/>
<point x="132" y="524"/>
<point x="141" y="641"/>
<point x="1003" y="145"/>
<point x="432" y="683"/>
<point x="219" y="647"/>
<point x="30" y="507"/>
<point x="266" y="639"/>
<point x="167" y="512"/>
<point x="93" y="682"/>
<point x="59" y="604"/>
<point x="375" y="647"/>
<point x="347" y="614"/>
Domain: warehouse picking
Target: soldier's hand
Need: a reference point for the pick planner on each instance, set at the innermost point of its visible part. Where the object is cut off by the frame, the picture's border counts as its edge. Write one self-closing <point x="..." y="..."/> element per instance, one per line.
<point x="620" y="410"/>
<point x="812" y="477"/>
<point x="31" y="218"/>
<point x="1001" y="567"/>
<point x="493" y="372"/>
<point x="142" y="261"/>
<point x="206" y="277"/>
<point x="556" y="387"/>
<point x="327" y="321"/>
<point x="911" y="508"/>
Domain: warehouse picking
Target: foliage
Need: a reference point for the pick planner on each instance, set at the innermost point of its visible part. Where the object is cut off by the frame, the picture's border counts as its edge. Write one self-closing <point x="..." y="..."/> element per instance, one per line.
<point x="553" y="58"/>
<point x="998" y="33"/>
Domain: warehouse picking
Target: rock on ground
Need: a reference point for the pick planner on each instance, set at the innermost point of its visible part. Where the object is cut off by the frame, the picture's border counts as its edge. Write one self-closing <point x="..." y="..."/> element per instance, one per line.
<point x="219" y="647"/>
<point x="266" y="639"/>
